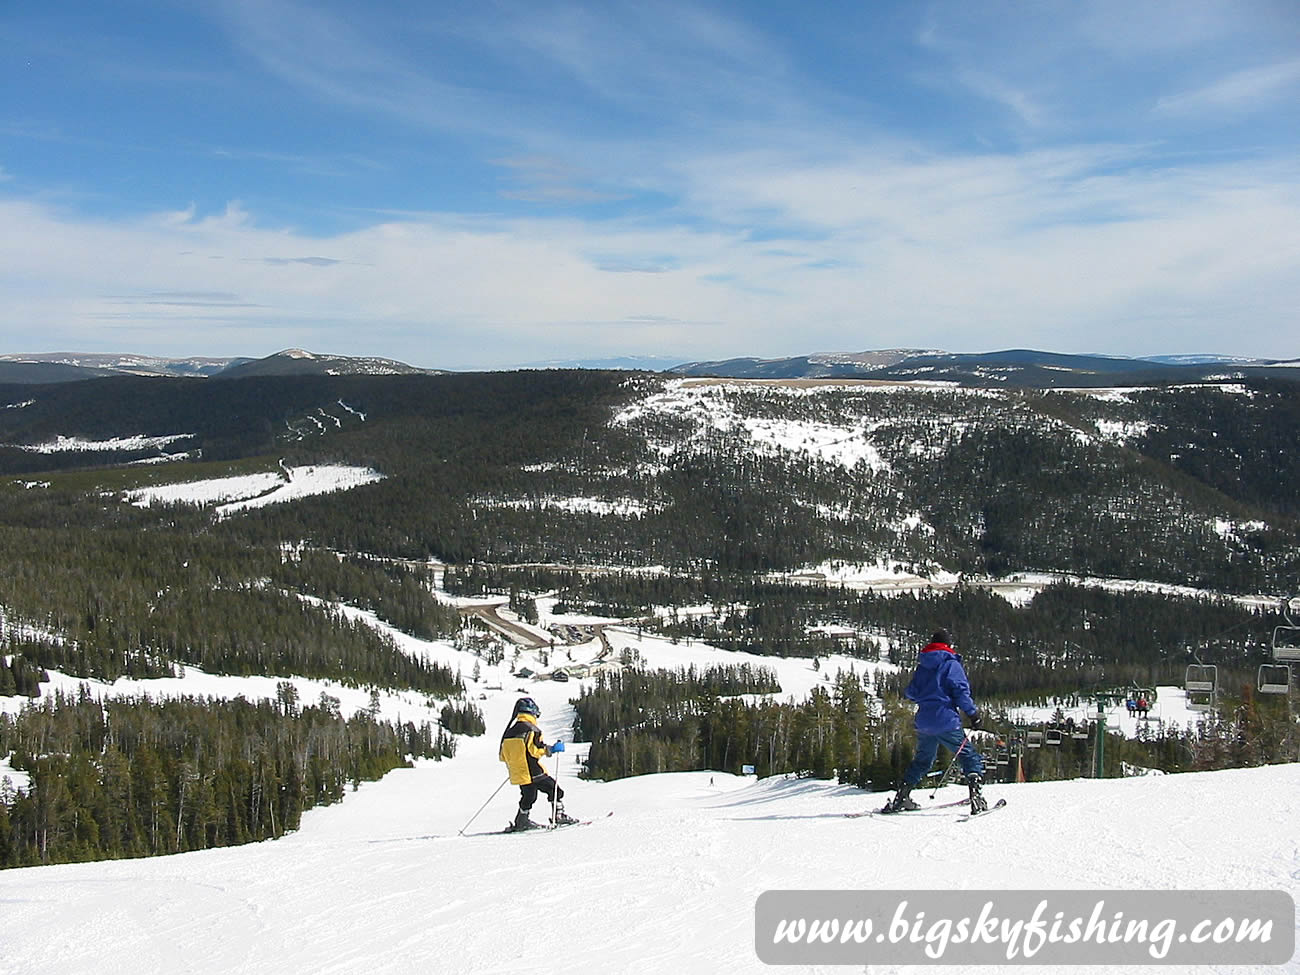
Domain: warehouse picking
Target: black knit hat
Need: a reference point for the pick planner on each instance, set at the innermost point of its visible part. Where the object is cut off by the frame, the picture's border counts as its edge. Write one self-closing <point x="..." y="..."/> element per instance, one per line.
<point x="941" y="636"/>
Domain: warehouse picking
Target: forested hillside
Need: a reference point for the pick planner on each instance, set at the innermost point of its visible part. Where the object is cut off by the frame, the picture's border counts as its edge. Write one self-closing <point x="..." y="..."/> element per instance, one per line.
<point x="1193" y="485"/>
<point x="133" y="777"/>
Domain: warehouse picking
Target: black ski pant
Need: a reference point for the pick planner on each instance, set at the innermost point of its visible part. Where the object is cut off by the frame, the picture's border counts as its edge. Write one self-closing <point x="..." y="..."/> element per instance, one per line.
<point x="544" y="784"/>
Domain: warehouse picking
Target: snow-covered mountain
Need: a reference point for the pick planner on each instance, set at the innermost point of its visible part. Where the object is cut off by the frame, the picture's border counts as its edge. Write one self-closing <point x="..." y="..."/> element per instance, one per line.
<point x="69" y="367"/>
<point x="1010" y="368"/>
<point x="136" y="365"/>
<point x="1200" y="359"/>
<point x="298" y="362"/>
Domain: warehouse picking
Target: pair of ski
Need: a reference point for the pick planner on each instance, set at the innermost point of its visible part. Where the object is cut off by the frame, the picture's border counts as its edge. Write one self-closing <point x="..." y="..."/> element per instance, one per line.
<point x="539" y="828"/>
<point x="1000" y="804"/>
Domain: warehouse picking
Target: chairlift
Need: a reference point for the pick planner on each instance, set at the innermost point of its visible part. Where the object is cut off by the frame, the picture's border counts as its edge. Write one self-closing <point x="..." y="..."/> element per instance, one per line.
<point x="1053" y="736"/>
<point x="1034" y="739"/>
<point x="1082" y="730"/>
<point x="1274" y="679"/>
<point x="1201" y="682"/>
<point x="1286" y="643"/>
<point x="1286" y="638"/>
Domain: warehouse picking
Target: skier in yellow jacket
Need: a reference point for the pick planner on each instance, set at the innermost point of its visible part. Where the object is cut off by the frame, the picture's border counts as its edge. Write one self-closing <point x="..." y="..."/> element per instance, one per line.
<point x="522" y="749"/>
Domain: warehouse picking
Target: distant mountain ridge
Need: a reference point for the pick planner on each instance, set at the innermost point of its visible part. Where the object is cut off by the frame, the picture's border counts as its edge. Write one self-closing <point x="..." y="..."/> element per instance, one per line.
<point x="56" y="367"/>
<point x="1026" y="368"/>
<point x="1012" y="368"/>
<point x="298" y="362"/>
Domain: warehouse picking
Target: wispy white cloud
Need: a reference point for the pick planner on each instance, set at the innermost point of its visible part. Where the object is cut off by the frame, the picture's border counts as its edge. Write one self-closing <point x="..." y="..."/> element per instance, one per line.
<point x="337" y="61"/>
<point x="544" y="179"/>
<point x="1246" y="90"/>
<point x="1064" y="250"/>
<point x="1023" y="105"/>
<point x="1127" y="29"/>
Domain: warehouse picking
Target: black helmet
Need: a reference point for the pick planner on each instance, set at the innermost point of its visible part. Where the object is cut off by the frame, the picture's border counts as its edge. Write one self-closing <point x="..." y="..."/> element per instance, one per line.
<point x="941" y="635"/>
<point x="526" y="705"/>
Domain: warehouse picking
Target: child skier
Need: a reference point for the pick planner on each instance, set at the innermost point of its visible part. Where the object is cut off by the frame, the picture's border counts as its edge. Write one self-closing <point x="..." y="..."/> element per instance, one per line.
<point x="942" y="694"/>
<point x="521" y="748"/>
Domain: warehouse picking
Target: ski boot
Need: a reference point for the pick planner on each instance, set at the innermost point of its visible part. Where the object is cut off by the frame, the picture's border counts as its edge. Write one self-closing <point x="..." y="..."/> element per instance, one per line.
<point x="978" y="803"/>
<point x="522" y="822"/>
<point x="561" y="818"/>
<point x="903" y="802"/>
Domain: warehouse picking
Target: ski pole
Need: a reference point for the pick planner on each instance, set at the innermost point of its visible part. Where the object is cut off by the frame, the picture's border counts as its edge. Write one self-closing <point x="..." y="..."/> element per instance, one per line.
<point x="948" y="771"/>
<point x="555" y="793"/>
<point x="484" y="806"/>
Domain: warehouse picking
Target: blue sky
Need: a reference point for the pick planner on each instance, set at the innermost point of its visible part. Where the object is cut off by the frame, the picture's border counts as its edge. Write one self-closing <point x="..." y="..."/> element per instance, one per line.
<point x="483" y="184"/>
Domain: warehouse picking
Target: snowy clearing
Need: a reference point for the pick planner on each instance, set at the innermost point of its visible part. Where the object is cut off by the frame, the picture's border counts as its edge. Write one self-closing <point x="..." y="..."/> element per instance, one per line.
<point x="19" y="781"/>
<point x="61" y="444"/>
<point x="245" y="491"/>
<point x="708" y="406"/>
<point x="620" y="508"/>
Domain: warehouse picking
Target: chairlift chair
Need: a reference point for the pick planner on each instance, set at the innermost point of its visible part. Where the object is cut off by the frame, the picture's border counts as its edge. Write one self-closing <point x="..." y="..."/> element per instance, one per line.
<point x="1034" y="739"/>
<point x="1286" y="639"/>
<point x="1082" y="730"/>
<point x="1053" y="736"/>
<point x="1286" y="643"/>
<point x="1201" y="682"/>
<point x="1274" y="679"/>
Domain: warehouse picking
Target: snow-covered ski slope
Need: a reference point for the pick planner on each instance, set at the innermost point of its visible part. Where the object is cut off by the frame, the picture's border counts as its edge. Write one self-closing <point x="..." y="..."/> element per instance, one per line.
<point x="383" y="883"/>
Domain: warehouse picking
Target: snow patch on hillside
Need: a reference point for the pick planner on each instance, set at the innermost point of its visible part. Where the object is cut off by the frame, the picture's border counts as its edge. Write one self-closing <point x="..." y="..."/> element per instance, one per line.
<point x="1231" y="531"/>
<point x="1120" y="432"/>
<point x="621" y="508"/>
<point x="709" y="407"/>
<point x="242" y="492"/>
<point x="886" y="574"/>
<point x="194" y="682"/>
<point x="61" y="444"/>
<point x="1107" y="394"/>
<point x="18" y="781"/>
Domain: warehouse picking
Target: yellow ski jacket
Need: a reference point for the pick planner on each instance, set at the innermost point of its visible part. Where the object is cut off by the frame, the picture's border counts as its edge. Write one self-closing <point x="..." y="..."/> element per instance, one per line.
<point x="521" y="749"/>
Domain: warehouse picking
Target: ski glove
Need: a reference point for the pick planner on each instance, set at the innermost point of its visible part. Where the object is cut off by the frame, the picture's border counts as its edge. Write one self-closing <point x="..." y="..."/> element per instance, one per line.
<point x="557" y="747"/>
<point x="976" y="719"/>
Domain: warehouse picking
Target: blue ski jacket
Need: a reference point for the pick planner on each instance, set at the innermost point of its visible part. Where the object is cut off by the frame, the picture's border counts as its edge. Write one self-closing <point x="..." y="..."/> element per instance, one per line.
<point x="940" y="689"/>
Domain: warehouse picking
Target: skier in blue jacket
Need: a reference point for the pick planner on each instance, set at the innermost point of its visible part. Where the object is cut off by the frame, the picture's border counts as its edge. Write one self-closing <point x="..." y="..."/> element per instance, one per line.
<point x="942" y="695"/>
